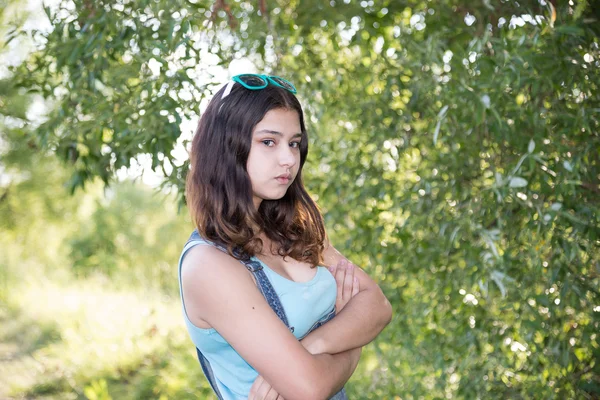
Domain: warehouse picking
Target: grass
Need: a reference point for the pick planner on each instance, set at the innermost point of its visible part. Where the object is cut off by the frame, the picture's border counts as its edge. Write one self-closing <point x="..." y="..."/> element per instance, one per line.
<point x="82" y="339"/>
<point x="102" y="338"/>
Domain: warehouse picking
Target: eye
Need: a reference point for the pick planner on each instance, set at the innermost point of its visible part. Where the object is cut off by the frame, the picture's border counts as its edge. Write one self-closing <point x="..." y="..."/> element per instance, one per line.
<point x="268" y="142"/>
<point x="295" y="145"/>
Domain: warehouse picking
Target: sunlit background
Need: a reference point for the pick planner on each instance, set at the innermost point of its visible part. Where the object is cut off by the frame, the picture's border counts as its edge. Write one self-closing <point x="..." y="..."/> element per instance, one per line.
<point x="454" y="154"/>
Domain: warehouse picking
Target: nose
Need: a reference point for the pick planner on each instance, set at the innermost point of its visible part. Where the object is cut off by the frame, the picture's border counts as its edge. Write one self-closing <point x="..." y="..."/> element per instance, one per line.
<point x="288" y="156"/>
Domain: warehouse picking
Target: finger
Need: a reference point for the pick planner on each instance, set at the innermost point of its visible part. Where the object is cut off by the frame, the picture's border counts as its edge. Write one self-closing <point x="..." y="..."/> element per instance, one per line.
<point x="355" y="287"/>
<point x="332" y="269"/>
<point x="348" y="281"/>
<point x="272" y="395"/>
<point x="254" y="388"/>
<point x="263" y="390"/>
<point x="340" y="274"/>
<point x="339" y="267"/>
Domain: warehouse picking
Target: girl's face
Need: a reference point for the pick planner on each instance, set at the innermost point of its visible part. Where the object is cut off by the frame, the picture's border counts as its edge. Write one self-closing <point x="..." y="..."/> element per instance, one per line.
<point x="274" y="157"/>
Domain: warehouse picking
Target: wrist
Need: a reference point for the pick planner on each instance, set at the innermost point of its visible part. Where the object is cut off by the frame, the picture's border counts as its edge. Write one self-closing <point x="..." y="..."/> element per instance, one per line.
<point x="313" y="344"/>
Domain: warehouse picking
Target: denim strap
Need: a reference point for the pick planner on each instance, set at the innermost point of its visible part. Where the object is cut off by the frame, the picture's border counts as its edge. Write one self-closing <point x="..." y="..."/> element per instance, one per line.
<point x="262" y="281"/>
<point x="208" y="372"/>
<point x="264" y="284"/>
<point x="272" y="298"/>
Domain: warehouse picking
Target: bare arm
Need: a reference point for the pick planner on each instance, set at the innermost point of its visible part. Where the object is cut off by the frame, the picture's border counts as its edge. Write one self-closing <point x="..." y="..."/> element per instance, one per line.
<point x="261" y="389"/>
<point x="219" y="291"/>
<point x="326" y="339"/>
<point x="347" y="287"/>
<point x="359" y="322"/>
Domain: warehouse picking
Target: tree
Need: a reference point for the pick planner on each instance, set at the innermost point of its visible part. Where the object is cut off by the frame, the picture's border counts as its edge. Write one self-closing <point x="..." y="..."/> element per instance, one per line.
<point x="454" y="154"/>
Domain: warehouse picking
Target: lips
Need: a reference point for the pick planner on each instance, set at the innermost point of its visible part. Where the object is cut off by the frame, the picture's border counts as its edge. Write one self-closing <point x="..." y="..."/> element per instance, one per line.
<point x="284" y="178"/>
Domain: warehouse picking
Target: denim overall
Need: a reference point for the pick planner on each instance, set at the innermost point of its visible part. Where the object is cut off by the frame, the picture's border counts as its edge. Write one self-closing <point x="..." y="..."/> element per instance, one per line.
<point x="270" y="295"/>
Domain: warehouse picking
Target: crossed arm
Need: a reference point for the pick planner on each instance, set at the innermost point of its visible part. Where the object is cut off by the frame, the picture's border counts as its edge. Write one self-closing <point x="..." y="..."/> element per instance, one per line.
<point x="361" y="319"/>
<point x="362" y="313"/>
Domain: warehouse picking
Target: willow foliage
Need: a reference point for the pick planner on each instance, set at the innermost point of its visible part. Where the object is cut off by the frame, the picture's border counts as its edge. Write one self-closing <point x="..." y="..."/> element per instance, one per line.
<point x="455" y="155"/>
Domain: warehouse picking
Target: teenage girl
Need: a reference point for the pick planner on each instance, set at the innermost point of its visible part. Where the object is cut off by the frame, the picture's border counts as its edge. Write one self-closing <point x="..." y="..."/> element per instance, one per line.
<point x="258" y="299"/>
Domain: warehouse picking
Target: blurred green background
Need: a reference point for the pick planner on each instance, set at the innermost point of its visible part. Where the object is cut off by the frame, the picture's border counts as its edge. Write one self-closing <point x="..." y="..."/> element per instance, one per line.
<point x="454" y="154"/>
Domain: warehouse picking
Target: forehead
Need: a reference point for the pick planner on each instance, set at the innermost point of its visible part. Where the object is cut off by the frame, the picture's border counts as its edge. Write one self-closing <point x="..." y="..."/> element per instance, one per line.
<point x="281" y="120"/>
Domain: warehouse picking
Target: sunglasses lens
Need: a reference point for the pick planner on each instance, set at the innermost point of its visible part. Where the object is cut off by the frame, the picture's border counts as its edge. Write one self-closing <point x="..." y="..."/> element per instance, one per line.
<point x="283" y="83"/>
<point x="252" y="80"/>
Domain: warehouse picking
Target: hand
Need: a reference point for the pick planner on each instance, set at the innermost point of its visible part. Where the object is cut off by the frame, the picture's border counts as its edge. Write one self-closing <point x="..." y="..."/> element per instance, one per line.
<point x="347" y="283"/>
<point x="262" y="390"/>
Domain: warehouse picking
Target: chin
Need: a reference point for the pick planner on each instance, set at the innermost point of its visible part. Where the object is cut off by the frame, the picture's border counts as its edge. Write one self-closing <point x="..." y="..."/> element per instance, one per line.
<point x="274" y="196"/>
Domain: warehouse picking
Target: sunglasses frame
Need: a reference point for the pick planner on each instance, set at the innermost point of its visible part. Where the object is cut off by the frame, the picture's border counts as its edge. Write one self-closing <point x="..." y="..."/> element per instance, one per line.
<point x="265" y="78"/>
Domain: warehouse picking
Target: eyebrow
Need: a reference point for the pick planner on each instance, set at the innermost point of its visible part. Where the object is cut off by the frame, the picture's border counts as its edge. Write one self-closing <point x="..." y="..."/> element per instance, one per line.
<point x="277" y="133"/>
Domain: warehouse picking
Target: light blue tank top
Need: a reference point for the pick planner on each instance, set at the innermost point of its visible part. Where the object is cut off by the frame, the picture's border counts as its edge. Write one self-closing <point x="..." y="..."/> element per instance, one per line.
<point x="304" y="303"/>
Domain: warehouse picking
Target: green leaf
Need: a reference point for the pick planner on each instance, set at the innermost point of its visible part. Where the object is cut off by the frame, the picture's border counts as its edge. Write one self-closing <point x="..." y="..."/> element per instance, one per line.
<point x="440" y="117"/>
<point x="517" y="182"/>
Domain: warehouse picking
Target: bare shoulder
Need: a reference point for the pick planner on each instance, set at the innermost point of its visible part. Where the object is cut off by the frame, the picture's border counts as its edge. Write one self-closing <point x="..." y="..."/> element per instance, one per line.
<point x="207" y="259"/>
<point x="208" y="276"/>
<point x="208" y="266"/>
<point x="219" y="292"/>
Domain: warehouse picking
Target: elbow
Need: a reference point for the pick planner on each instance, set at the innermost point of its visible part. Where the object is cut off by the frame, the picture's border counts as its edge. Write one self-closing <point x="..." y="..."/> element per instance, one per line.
<point x="314" y="384"/>
<point x="309" y="390"/>
<point x="319" y="392"/>
<point x="315" y="392"/>
<point x="307" y="386"/>
<point x="386" y="312"/>
<point x="389" y="312"/>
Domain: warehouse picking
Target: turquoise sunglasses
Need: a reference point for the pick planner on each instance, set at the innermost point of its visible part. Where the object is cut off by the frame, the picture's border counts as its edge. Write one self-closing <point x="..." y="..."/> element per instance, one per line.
<point x="258" y="82"/>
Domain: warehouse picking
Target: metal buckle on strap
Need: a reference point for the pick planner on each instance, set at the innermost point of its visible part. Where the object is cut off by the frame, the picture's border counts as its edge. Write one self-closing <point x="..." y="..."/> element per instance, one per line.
<point x="253" y="265"/>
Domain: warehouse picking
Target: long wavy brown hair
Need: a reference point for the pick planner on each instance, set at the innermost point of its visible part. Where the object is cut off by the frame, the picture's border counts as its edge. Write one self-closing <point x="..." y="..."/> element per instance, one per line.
<point x="219" y="191"/>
